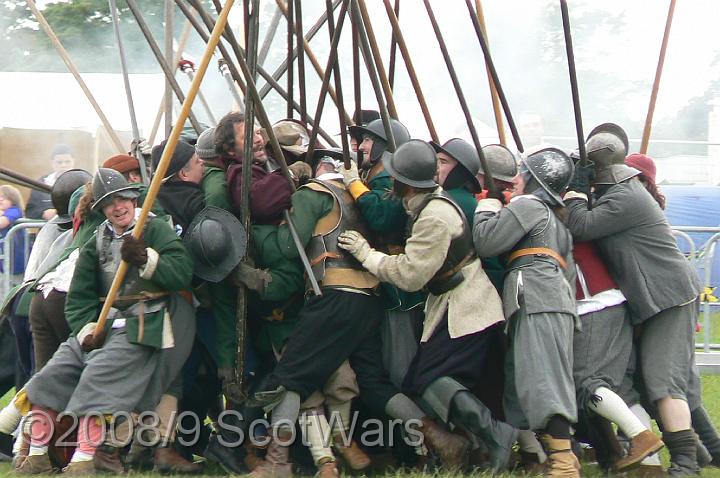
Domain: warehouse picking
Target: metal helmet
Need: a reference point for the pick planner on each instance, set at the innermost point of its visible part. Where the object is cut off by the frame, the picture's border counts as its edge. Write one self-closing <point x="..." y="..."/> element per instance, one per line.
<point x="414" y="163"/>
<point x="376" y="128"/>
<point x="465" y="154"/>
<point x="107" y="183"/>
<point x="64" y="187"/>
<point x="217" y="242"/>
<point x="330" y="155"/>
<point x="552" y="168"/>
<point x="607" y="147"/>
<point x="501" y="161"/>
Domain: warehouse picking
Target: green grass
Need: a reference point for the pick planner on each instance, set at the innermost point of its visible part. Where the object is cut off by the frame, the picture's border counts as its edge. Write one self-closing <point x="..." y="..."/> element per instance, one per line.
<point x="711" y="398"/>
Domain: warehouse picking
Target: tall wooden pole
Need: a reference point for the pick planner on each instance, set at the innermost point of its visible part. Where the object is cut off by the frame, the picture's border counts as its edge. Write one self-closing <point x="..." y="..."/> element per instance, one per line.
<point x="76" y="73"/>
<point x="493" y="89"/>
<point x="165" y="158"/>
<point x="656" y="84"/>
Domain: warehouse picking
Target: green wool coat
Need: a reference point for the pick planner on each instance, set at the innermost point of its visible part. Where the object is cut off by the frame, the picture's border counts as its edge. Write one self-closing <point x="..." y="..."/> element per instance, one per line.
<point x="173" y="273"/>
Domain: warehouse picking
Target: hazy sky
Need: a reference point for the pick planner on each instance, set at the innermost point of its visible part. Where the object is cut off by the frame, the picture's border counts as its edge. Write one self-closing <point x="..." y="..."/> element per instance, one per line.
<point x="626" y="50"/>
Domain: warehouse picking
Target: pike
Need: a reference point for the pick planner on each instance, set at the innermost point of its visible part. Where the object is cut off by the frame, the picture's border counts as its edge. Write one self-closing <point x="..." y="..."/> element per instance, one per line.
<point x="76" y="73"/>
<point x="332" y="59"/>
<point x="187" y="68"/>
<point x="290" y="58"/>
<point x="235" y="389"/>
<point x="301" y="61"/>
<point x="128" y="93"/>
<point x="169" y="17"/>
<point x="313" y="59"/>
<point x="164" y="162"/>
<point x="338" y="86"/>
<point x="491" y="83"/>
<point x="269" y="37"/>
<point x="393" y="49"/>
<point x="364" y="45"/>
<point x="398" y="35"/>
<point x="169" y="73"/>
<point x="656" y="83"/>
<point x="178" y="56"/>
<point x="22" y="180"/>
<point x="494" y="77"/>
<point x="573" y="83"/>
<point x="284" y="65"/>
<point x="377" y="59"/>
<point x="461" y="97"/>
<point x="280" y="158"/>
<point x="225" y="72"/>
<point x="238" y="51"/>
<point x="357" y="86"/>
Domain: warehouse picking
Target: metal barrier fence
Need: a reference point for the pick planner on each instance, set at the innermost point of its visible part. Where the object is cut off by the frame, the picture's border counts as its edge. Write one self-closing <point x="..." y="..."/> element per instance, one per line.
<point x="708" y="353"/>
<point x="8" y="253"/>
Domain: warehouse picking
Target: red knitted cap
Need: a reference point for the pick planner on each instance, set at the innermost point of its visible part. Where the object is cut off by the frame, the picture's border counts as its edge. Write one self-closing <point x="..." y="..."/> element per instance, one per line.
<point x="642" y="163"/>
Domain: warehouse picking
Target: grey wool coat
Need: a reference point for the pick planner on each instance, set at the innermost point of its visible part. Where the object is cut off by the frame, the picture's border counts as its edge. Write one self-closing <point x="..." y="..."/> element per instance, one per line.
<point x="545" y="286"/>
<point x="637" y="245"/>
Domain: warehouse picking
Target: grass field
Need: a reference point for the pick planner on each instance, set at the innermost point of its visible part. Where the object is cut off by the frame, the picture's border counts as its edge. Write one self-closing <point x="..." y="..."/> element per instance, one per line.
<point x="711" y="397"/>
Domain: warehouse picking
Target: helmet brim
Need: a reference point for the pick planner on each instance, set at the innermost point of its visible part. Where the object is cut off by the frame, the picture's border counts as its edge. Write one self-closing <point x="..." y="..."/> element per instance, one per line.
<point x="387" y="164"/>
<point x="129" y="192"/>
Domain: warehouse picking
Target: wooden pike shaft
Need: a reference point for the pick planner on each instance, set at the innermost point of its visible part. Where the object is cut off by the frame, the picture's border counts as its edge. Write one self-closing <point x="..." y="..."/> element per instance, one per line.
<point x="76" y="73"/>
<point x="491" y="83"/>
<point x="393" y="50"/>
<point x="165" y="158"/>
<point x="315" y="63"/>
<point x="397" y="34"/>
<point x="656" y="84"/>
<point x="461" y="97"/>
<point x="338" y="85"/>
<point x="378" y="60"/>
<point x="22" y="180"/>
<point x="178" y="56"/>
<point x="573" y="81"/>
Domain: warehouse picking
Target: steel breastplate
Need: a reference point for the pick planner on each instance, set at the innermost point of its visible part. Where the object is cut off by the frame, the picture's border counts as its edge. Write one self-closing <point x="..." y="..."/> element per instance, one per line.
<point x="109" y="258"/>
<point x="323" y="248"/>
<point x="460" y="252"/>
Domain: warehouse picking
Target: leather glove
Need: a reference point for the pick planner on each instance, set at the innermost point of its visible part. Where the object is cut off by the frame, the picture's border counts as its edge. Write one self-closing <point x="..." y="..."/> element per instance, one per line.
<point x="349" y="175"/>
<point x="582" y="177"/>
<point x="355" y="244"/>
<point x="301" y="171"/>
<point x="252" y="278"/>
<point x="93" y="340"/>
<point x="134" y="251"/>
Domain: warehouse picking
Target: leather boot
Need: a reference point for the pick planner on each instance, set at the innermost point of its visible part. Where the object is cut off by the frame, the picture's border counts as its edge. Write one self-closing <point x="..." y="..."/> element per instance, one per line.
<point x="352" y="454"/>
<point x="644" y="444"/>
<point x="79" y="468"/>
<point x="139" y="457"/>
<point x="449" y="447"/>
<point x="230" y="458"/>
<point x="167" y="460"/>
<point x="562" y="462"/>
<point x="704" y="458"/>
<point x="327" y="469"/>
<point x="469" y="412"/>
<point x="277" y="459"/>
<point x="107" y="458"/>
<point x="682" y="446"/>
<point x="705" y="429"/>
<point x="35" y="465"/>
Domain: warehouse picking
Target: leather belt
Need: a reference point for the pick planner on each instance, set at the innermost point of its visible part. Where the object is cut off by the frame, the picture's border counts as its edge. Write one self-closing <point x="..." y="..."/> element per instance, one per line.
<point x="538" y="251"/>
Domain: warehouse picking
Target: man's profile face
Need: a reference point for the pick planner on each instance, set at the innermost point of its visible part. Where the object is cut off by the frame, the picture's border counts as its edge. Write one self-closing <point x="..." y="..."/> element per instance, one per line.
<point x="62" y="163"/>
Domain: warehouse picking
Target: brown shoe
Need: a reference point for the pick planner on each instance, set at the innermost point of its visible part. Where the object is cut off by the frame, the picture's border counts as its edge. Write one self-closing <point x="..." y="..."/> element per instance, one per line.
<point x="328" y="469"/>
<point x="449" y="447"/>
<point x="167" y="460"/>
<point x="276" y="463"/>
<point x="642" y="445"/>
<point x="352" y="454"/>
<point x="562" y="462"/>
<point x="107" y="458"/>
<point x="139" y="457"/>
<point x="35" y="465"/>
<point x="79" y="468"/>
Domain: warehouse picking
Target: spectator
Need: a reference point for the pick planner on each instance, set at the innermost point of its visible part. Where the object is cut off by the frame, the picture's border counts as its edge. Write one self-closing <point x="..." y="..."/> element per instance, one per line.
<point x="11" y="209"/>
<point x="39" y="205"/>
